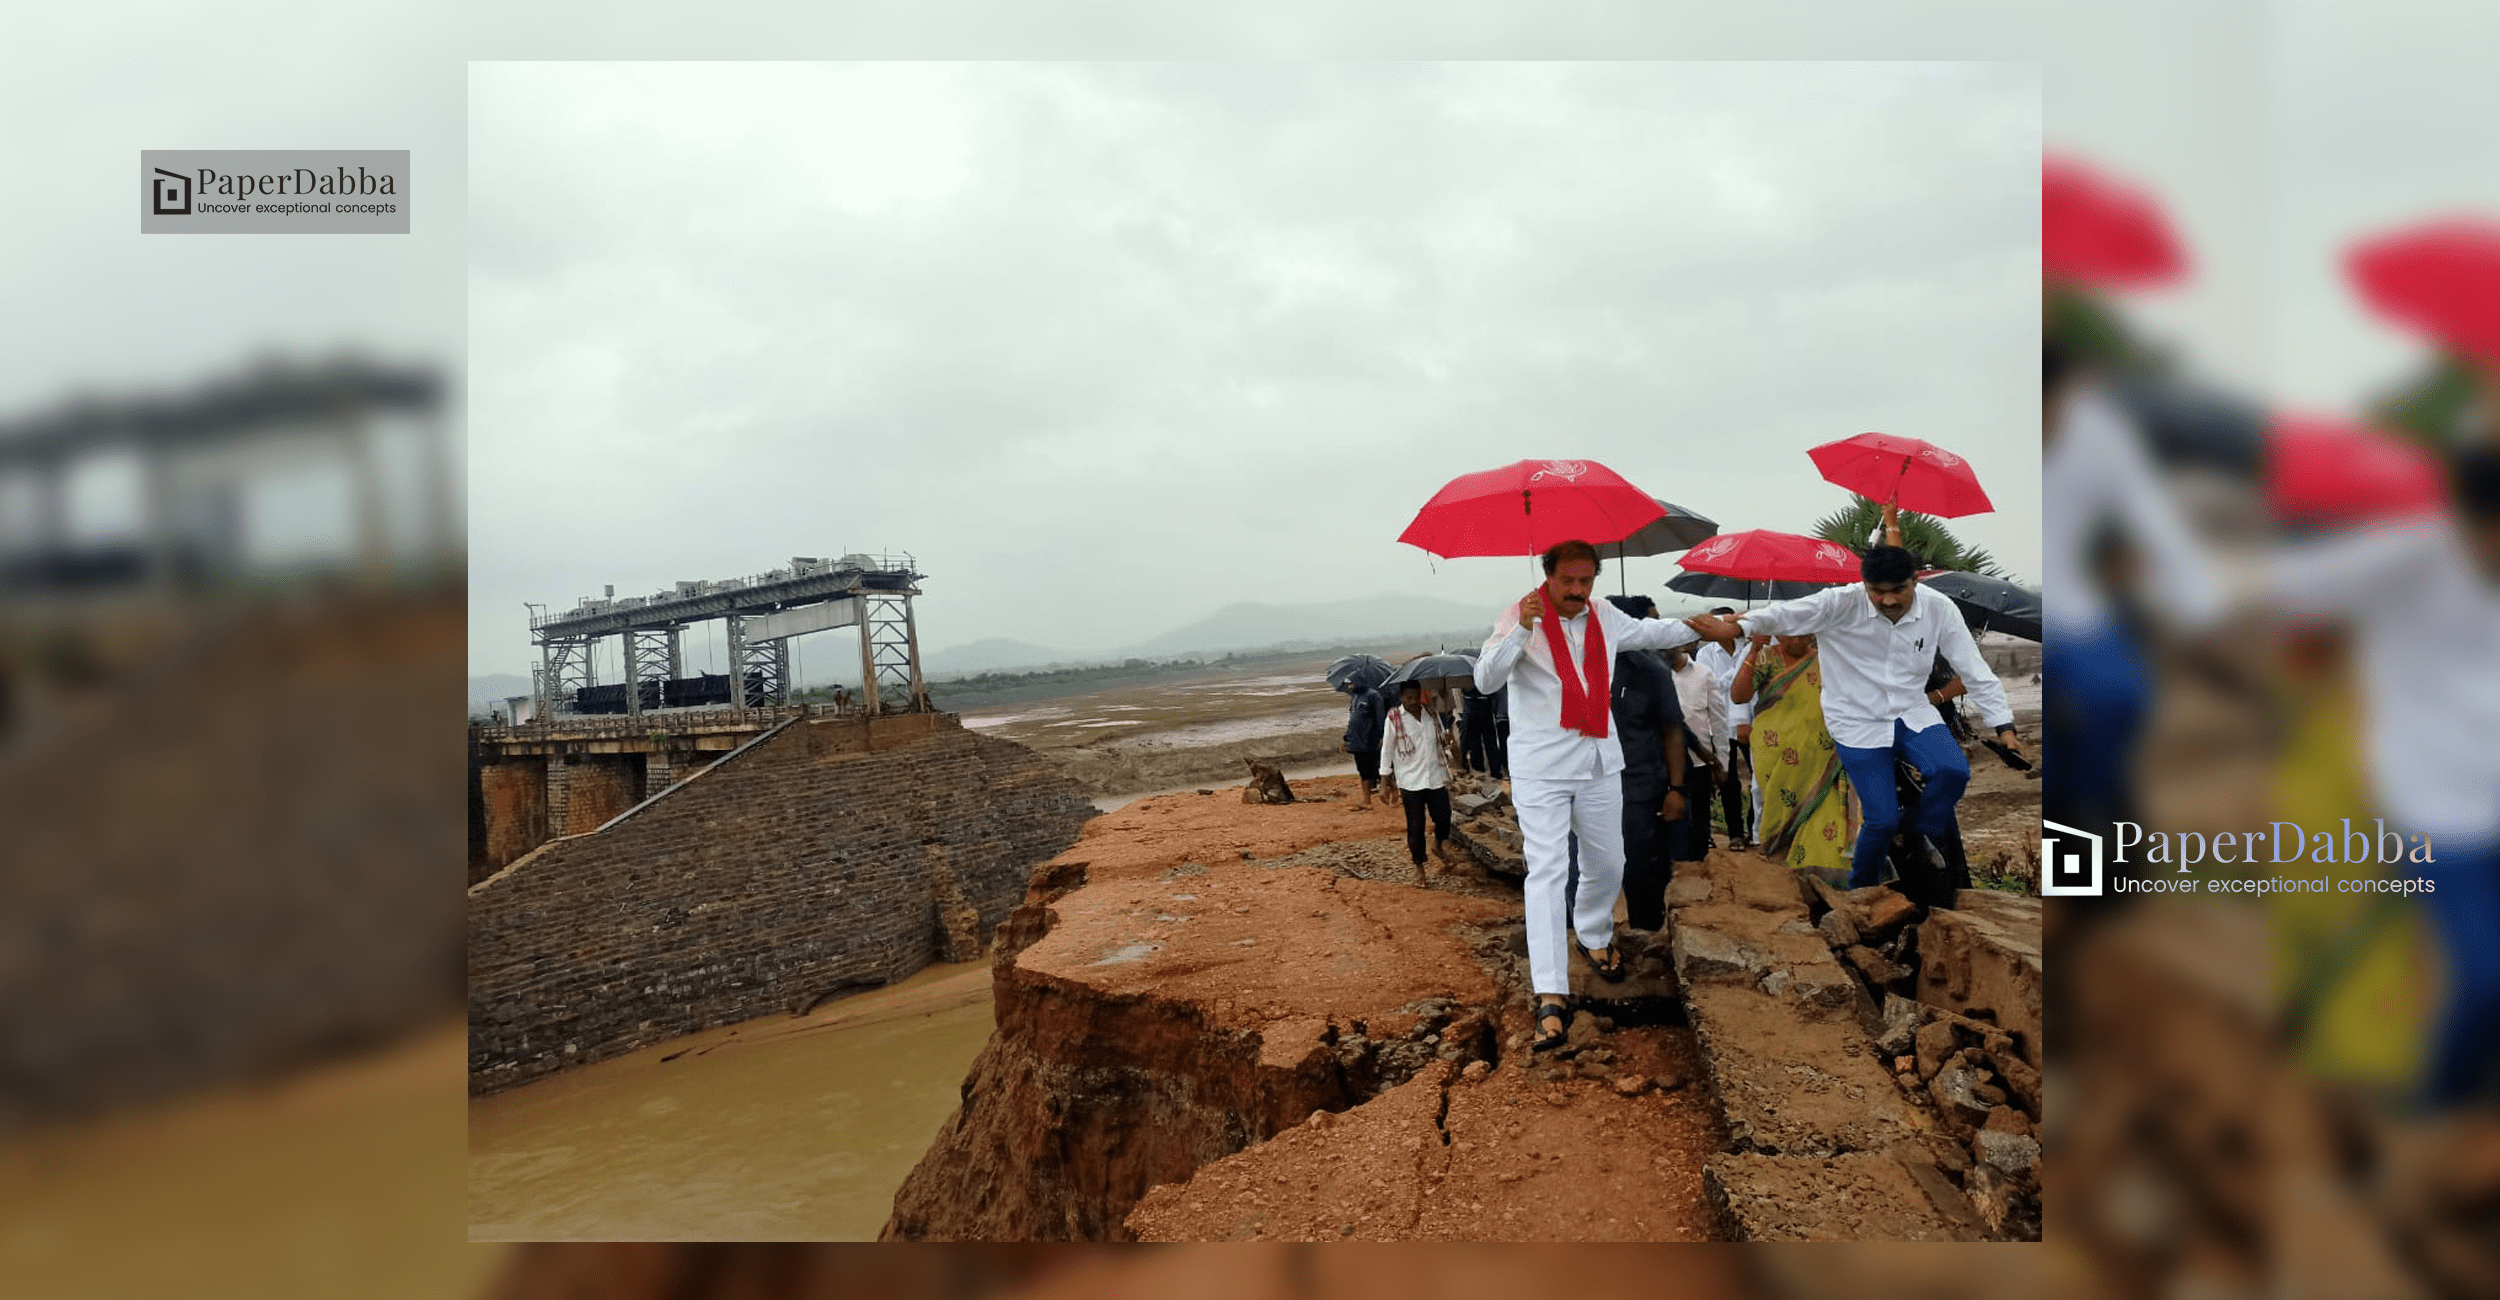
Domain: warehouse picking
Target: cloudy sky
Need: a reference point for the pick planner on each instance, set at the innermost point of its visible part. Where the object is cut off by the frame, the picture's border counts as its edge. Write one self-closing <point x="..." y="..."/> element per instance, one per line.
<point x="1107" y="347"/>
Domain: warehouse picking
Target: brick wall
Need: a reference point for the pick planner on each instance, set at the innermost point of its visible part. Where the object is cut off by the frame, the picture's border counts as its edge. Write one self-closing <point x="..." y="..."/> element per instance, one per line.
<point x="827" y="857"/>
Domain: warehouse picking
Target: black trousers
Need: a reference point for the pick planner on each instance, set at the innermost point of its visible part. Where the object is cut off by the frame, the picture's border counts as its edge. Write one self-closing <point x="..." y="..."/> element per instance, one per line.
<point x="1689" y="839"/>
<point x="1437" y="799"/>
<point x="1367" y="766"/>
<point x="1501" y="749"/>
<point x="1736" y="792"/>
<point x="1477" y="741"/>
<point x="1646" y="865"/>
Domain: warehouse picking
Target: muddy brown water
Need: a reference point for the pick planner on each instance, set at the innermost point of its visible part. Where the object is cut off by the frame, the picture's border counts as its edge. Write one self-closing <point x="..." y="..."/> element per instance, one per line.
<point x="776" y="1129"/>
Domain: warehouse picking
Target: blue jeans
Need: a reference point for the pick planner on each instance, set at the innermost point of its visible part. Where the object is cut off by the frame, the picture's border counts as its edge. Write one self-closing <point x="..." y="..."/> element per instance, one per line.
<point x="2099" y="693"/>
<point x="1940" y="766"/>
<point x="2465" y="909"/>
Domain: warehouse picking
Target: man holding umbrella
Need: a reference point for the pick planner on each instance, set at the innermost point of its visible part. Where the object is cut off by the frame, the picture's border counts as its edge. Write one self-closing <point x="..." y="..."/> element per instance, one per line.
<point x="1555" y="651"/>
<point x="1877" y="643"/>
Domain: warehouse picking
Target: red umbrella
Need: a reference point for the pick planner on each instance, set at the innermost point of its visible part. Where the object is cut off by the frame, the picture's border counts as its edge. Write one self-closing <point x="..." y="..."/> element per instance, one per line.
<point x="2097" y="231"/>
<point x="2441" y="279"/>
<point x="1907" y="472"/>
<point x="1764" y="556"/>
<point x="1525" y="508"/>
<point x="2321" y="470"/>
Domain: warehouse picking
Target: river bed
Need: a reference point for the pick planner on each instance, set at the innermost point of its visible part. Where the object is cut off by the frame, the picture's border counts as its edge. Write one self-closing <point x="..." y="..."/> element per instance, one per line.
<point x="776" y="1129"/>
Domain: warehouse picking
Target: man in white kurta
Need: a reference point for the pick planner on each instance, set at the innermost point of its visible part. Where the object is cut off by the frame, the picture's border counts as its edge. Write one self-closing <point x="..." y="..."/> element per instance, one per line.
<point x="1563" y="780"/>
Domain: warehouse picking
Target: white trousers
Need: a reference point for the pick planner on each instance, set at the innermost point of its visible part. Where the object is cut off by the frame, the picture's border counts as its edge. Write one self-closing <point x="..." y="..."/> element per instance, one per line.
<point x="1549" y="811"/>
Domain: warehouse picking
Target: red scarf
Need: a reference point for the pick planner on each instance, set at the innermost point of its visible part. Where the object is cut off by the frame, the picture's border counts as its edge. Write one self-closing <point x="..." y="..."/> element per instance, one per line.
<point x="1585" y="708"/>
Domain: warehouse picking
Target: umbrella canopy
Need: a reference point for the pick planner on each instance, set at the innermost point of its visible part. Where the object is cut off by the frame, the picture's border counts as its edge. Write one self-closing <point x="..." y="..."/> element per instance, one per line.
<point x="1907" y="472"/>
<point x="2321" y="470"/>
<point x="2188" y="425"/>
<point x="2441" y="279"/>
<point x="1678" y="529"/>
<point x="2097" y="231"/>
<point x="1436" y="672"/>
<point x="1525" y="508"/>
<point x="1761" y="553"/>
<point x="1359" y="673"/>
<point x="1989" y="604"/>
<point x="1718" y="586"/>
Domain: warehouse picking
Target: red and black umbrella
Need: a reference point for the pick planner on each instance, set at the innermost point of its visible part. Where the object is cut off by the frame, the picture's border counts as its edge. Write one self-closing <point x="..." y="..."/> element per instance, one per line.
<point x="1908" y="472"/>
<point x="2321" y="470"/>
<point x="2441" y="279"/>
<point x="2101" y="232"/>
<point x="1764" y="555"/>
<point x="1526" y="508"/>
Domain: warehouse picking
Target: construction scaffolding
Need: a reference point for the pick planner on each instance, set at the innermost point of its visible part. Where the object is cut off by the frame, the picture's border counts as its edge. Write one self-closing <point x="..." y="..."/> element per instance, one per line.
<point x="760" y="617"/>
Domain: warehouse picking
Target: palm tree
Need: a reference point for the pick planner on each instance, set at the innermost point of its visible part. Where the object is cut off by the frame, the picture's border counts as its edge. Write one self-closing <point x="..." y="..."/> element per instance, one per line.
<point x="1924" y="536"/>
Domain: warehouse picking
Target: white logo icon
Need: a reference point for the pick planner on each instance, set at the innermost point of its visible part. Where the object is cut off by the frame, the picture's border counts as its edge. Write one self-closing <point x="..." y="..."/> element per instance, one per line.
<point x="2070" y="861"/>
<point x="1568" y="471"/>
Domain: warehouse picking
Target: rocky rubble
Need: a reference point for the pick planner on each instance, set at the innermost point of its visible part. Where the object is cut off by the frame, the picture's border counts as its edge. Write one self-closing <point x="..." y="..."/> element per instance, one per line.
<point x="1952" y="1002"/>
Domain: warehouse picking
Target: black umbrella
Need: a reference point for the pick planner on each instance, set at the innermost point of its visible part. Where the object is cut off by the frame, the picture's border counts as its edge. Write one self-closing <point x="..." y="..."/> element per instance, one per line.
<point x="1359" y="673"/>
<point x="1436" y="672"/>
<point x="2184" y="424"/>
<point x="1718" y="586"/>
<point x="1990" y="604"/>
<point x="1677" y="530"/>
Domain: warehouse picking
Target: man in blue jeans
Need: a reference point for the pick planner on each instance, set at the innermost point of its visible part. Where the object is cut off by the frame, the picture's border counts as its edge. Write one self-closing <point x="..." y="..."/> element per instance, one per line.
<point x="1877" y="642"/>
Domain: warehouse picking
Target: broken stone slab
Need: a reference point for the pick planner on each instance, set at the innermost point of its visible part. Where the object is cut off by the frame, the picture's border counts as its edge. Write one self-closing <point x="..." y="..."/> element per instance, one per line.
<point x="1878" y="911"/>
<point x="1763" y="885"/>
<point x="1823" y="987"/>
<point x="1878" y="969"/>
<point x="2003" y="1206"/>
<point x="1703" y="954"/>
<point x="1934" y="1042"/>
<point x="1838" y="930"/>
<point x="1790" y="1082"/>
<point x="1856" y="1196"/>
<point x="1983" y="960"/>
<point x="2006" y="1119"/>
<point x="2008" y="1153"/>
<point x="1899" y="1030"/>
<point x="1955" y="1090"/>
<point x="1688" y="888"/>
<point x="1468" y="805"/>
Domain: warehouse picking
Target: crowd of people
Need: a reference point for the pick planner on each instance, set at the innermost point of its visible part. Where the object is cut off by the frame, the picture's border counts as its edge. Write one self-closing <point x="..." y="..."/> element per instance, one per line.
<point x="1618" y="730"/>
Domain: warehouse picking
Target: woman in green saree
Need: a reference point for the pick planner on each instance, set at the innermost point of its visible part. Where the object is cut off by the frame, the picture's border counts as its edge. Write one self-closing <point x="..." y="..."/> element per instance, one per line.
<point x="1805" y="801"/>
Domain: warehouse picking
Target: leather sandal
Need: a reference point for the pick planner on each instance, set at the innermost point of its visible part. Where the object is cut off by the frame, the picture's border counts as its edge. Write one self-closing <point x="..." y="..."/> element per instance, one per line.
<point x="1545" y="1038"/>
<point x="1609" y="970"/>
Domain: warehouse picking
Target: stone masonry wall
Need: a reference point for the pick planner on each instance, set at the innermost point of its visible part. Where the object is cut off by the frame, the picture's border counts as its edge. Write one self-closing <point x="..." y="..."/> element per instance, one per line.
<point x="513" y="809"/>
<point x="823" y="859"/>
<point x="596" y="788"/>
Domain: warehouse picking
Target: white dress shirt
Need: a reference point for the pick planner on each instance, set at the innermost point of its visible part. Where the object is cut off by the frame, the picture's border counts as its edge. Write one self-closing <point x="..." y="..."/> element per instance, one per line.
<point x="1410" y="750"/>
<point x="1722" y="662"/>
<point x="1706" y="704"/>
<point x="2097" y="468"/>
<point x="1514" y="656"/>
<point x="2430" y="702"/>
<point x="1875" y="670"/>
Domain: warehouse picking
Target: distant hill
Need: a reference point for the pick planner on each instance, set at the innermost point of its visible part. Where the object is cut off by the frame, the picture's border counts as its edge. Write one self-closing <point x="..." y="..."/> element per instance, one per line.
<point x="1251" y="625"/>
<point x="989" y="655"/>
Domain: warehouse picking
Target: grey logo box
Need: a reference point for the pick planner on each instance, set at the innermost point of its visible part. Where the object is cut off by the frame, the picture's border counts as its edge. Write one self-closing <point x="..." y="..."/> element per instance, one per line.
<point x="273" y="191"/>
